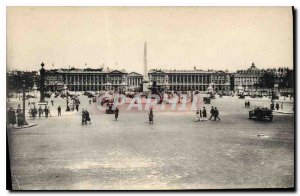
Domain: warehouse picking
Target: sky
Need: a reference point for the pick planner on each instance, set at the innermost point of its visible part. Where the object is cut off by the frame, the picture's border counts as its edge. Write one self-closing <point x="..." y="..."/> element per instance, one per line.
<point x="220" y="38"/>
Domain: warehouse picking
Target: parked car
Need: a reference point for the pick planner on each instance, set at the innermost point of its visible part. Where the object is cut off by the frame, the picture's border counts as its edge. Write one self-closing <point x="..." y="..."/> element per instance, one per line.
<point x="206" y="100"/>
<point x="110" y="109"/>
<point x="261" y="113"/>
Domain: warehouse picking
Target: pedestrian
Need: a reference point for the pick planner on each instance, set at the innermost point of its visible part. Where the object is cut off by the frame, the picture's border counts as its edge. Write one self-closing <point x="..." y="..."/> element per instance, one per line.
<point x="40" y="110"/>
<point x="216" y="114"/>
<point x="52" y="102"/>
<point x="20" y="119"/>
<point x="28" y="103"/>
<point x="116" y="114"/>
<point x="277" y="106"/>
<point x="211" y="112"/>
<point x="151" y="116"/>
<point x="245" y="104"/>
<point x="204" y="113"/>
<point x="83" y="117"/>
<point x="87" y="117"/>
<point x="200" y="115"/>
<point x="90" y="102"/>
<point x="11" y="116"/>
<point x="59" y="111"/>
<point x="282" y="106"/>
<point x="77" y="107"/>
<point x="248" y="104"/>
<point x="197" y="116"/>
<point x="33" y="112"/>
<point x="46" y="111"/>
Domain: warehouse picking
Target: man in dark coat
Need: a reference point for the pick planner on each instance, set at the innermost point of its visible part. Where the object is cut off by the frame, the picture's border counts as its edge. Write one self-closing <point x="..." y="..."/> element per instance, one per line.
<point x="211" y="112"/>
<point x="216" y="114"/>
<point x="204" y="113"/>
<point x="87" y="117"/>
<point x="83" y="115"/>
<point x="277" y="106"/>
<point x="40" y="110"/>
<point x="116" y="114"/>
<point x="59" y="111"/>
<point x="46" y="111"/>
<point x="151" y="115"/>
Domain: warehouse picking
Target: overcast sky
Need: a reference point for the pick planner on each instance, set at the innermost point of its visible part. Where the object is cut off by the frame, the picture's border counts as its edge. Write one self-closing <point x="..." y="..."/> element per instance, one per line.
<point x="178" y="37"/>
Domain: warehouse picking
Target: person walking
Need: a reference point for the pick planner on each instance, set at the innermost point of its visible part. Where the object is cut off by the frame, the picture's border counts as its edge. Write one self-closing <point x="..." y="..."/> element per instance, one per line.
<point x="116" y="114"/>
<point x="77" y="107"/>
<point x="52" y="101"/>
<point x="46" y="111"/>
<point x="11" y="116"/>
<point x="83" y="119"/>
<point x="216" y="114"/>
<point x="151" y="115"/>
<point x="59" y="111"/>
<point x="33" y="112"/>
<point x="87" y="117"/>
<point x="211" y="112"/>
<point x="197" y="116"/>
<point x="204" y="113"/>
<point x="277" y="106"/>
<point x="40" y="110"/>
<point x="20" y="119"/>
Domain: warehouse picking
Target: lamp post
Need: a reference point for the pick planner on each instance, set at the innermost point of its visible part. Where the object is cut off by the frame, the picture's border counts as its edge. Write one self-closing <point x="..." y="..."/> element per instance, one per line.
<point x="24" y="89"/>
<point x="67" y="97"/>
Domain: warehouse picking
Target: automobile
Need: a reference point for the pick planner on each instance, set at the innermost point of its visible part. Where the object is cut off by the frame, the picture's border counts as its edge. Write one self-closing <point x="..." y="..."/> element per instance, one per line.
<point x="241" y="96"/>
<point x="43" y="105"/>
<point x="94" y="99"/>
<point x="206" y="100"/>
<point x="105" y="100"/>
<point x="48" y="94"/>
<point x="110" y="109"/>
<point x="212" y="96"/>
<point x="91" y="96"/>
<point x="29" y="96"/>
<point x="261" y="113"/>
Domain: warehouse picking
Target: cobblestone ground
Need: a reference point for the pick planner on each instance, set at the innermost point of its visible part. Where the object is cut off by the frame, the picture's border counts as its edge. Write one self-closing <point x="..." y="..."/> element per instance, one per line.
<point x="173" y="153"/>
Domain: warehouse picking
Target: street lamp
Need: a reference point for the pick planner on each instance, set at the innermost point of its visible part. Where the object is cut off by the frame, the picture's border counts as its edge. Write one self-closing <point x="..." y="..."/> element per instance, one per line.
<point x="68" y="108"/>
<point x="24" y="89"/>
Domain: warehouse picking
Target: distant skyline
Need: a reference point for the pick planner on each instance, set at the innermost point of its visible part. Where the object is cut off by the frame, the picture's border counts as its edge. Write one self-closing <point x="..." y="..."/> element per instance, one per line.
<point x="220" y="38"/>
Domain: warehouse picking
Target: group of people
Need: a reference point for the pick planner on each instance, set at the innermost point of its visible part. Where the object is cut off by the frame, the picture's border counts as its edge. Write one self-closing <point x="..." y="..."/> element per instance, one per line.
<point x="201" y="115"/>
<point x="273" y="106"/>
<point x="247" y="104"/>
<point x="41" y="111"/>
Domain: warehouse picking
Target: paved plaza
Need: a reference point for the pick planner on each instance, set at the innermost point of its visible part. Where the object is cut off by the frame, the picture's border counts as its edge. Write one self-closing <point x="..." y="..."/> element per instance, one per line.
<point x="173" y="153"/>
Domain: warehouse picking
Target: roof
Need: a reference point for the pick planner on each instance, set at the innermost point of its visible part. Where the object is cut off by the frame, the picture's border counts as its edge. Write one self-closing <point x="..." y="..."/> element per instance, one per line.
<point x="135" y="74"/>
<point x="253" y="68"/>
<point x="180" y="71"/>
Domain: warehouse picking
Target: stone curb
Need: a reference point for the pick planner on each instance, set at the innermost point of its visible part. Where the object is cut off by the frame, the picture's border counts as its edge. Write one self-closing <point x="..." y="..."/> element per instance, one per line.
<point x="25" y="126"/>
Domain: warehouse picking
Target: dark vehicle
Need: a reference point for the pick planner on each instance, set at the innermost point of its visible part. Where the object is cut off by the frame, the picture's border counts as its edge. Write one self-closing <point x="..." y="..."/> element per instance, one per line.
<point x="241" y="96"/>
<point x="212" y="96"/>
<point x="261" y="113"/>
<point x="48" y="94"/>
<point x="86" y="93"/>
<point x="110" y="109"/>
<point x="29" y="96"/>
<point x="94" y="99"/>
<point x="105" y="100"/>
<point x="206" y="100"/>
<point x="91" y="96"/>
